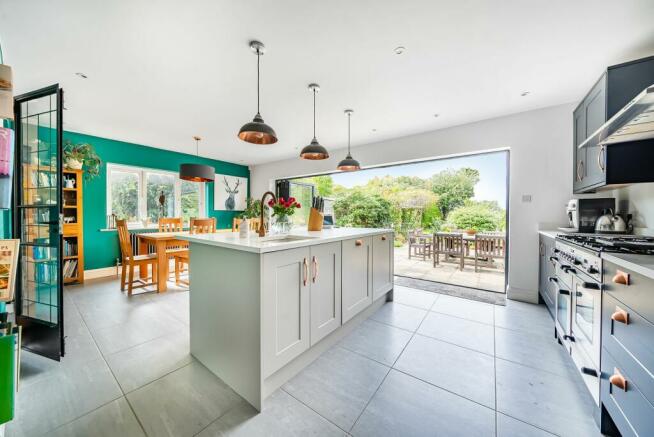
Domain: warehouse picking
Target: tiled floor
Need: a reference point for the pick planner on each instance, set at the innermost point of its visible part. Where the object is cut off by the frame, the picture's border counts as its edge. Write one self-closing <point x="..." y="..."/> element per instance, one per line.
<point x="426" y="364"/>
<point x="487" y="278"/>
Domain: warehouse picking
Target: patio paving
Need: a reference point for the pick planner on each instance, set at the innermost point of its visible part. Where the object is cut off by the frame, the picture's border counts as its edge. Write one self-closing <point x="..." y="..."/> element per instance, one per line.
<point x="487" y="278"/>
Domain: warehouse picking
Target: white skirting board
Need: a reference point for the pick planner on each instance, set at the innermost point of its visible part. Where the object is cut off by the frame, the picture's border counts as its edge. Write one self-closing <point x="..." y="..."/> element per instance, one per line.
<point x="102" y="272"/>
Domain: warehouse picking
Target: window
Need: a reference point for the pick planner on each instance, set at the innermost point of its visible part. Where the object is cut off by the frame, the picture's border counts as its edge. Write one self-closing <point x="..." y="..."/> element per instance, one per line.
<point x="303" y="193"/>
<point x="136" y="194"/>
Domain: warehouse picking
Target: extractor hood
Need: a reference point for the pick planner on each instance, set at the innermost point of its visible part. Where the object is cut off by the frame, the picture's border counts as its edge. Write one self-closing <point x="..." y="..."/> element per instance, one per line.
<point x="634" y="122"/>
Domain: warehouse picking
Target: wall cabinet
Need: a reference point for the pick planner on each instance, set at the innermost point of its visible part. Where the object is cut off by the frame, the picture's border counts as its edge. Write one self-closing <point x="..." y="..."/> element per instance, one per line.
<point x="325" y="286"/>
<point x="357" y="276"/>
<point x="382" y="265"/>
<point x="545" y="271"/>
<point x="285" y="306"/>
<point x="597" y="166"/>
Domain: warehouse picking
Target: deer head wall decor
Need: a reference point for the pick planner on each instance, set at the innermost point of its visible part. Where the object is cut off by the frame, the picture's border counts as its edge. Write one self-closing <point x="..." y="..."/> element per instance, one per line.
<point x="230" y="202"/>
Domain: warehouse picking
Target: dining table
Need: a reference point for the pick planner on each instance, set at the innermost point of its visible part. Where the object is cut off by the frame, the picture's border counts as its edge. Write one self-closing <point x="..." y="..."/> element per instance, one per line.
<point x="161" y="242"/>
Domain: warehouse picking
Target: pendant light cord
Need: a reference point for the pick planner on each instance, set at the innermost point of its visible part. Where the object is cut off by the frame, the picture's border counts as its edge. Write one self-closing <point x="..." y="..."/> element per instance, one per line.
<point x="349" y="115"/>
<point x="314" y="113"/>
<point x="258" y="86"/>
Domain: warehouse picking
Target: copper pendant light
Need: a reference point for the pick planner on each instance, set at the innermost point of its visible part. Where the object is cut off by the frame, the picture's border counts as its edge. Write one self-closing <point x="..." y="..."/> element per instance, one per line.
<point x="349" y="163"/>
<point x="256" y="131"/>
<point x="197" y="172"/>
<point x="314" y="150"/>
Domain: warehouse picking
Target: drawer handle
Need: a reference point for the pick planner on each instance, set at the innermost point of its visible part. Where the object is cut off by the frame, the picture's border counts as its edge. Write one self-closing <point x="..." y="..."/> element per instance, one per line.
<point x="358" y="242"/>
<point x="383" y="237"/>
<point x="618" y="380"/>
<point x="305" y="276"/>
<point x="621" y="278"/>
<point x="620" y="315"/>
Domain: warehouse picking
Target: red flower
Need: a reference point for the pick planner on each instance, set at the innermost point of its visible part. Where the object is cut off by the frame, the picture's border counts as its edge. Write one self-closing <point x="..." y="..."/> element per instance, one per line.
<point x="281" y="200"/>
<point x="297" y="205"/>
<point x="271" y="203"/>
<point x="292" y="199"/>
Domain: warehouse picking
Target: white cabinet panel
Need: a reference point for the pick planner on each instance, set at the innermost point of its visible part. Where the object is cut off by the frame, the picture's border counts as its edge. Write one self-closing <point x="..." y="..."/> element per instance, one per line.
<point x="357" y="276"/>
<point x="285" y="307"/>
<point x="382" y="264"/>
<point x="325" y="290"/>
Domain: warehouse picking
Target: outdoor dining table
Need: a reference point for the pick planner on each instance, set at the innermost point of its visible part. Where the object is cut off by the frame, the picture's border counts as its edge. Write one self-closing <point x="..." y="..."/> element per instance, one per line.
<point x="160" y="241"/>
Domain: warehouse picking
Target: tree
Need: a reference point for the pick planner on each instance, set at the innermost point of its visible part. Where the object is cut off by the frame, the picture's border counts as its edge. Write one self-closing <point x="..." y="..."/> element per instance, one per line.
<point x="324" y="184"/>
<point x="362" y="210"/>
<point x="479" y="216"/>
<point x="454" y="187"/>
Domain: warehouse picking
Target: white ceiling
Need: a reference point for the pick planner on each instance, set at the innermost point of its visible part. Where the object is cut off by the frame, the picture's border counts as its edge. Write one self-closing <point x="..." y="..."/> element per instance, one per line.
<point x="162" y="71"/>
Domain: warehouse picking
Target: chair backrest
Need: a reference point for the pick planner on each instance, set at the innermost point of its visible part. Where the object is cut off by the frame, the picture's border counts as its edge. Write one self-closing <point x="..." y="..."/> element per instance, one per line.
<point x="490" y="244"/>
<point x="254" y="224"/>
<point x="123" y="239"/>
<point x="203" y="225"/>
<point x="170" y="224"/>
<point x="446" y="242"/>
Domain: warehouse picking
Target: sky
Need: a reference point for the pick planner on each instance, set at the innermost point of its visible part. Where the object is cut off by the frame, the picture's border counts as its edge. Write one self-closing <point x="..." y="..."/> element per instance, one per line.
<point x="491" y="166"/>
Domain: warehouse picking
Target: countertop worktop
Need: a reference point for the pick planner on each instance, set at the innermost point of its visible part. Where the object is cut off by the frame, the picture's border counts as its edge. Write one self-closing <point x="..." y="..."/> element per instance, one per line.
<point x="551" y="234"/>
<point x="641" y="264"/>
<point x="271" y="243"/>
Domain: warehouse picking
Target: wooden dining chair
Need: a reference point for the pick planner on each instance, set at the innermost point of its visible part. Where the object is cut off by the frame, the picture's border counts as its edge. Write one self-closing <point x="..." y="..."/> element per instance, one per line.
<point x="170" y="224"/>
<point x="254" y="224"/>
<point x="197" y="226"/>
<point x="449" y="244"/>
<point x="131" y="261"/>
<point x="489" y="246"/>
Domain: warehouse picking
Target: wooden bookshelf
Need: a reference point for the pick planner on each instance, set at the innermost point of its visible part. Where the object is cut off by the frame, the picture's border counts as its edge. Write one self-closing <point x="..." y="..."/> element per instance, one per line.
<point x="73" y="241"/>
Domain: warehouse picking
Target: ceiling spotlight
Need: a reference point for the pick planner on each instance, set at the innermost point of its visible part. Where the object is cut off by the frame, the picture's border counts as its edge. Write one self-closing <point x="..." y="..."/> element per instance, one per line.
<point x="374" y="130"/>
<point x="399" y="50"/>
<point x="524" y="94"/>
<point x="82" y="75"/>
<point x="436" y="115"/>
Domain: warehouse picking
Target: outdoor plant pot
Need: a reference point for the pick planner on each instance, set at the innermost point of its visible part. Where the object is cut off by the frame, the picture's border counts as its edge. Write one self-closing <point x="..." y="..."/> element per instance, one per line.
<point x="471" y="231"/>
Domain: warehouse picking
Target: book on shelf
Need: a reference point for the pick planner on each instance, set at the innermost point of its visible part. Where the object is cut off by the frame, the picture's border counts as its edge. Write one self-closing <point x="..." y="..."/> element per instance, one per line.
<point x="70" y="268"/>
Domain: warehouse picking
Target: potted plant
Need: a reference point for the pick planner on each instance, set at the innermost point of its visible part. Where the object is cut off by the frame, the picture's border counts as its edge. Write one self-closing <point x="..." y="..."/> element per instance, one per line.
<point x="282" y="211"/>
<point x="82" y="156"/>
<point x="252" y="210"/>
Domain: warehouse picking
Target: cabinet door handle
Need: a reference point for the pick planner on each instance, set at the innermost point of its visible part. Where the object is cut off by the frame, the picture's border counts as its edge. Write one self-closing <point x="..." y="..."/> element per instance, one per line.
<point x="383" y="237"/>
<point x="621" y="278"/>
<point x="358" y="243"/>
<point x="305" y="266"/>
<point x="316" y="269"/>
<point x="600" y="158"/>
<point x="620" y="315"/>
<point x="618" y="380"/>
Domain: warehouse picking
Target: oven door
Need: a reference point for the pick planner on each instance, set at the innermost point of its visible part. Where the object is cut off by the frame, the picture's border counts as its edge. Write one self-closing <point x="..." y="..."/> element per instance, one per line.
<point x="586" y="335"/>
<point x="563" y="308"/>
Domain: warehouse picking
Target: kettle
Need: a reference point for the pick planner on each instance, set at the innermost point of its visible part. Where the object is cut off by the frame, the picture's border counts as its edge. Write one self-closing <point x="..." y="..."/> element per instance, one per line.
<point x="609" y="223"/>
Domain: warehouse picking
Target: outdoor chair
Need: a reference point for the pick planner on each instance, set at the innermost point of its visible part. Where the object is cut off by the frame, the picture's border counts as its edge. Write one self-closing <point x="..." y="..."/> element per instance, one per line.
<point x="419" y="243"/>
<point x="450" y="245"/>
<point x="489" y="246"/>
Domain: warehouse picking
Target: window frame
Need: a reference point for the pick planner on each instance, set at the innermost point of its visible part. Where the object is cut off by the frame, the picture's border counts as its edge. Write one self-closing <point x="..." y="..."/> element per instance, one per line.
<point x="143" y="173"/>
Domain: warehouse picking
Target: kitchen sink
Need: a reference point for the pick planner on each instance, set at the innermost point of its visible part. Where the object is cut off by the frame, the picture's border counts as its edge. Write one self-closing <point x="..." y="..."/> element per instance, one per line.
<point x="285" y="238"/>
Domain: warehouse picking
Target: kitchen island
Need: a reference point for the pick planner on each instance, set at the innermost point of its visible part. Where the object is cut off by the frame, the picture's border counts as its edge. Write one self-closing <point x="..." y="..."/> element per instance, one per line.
<point x="263" y="308"/>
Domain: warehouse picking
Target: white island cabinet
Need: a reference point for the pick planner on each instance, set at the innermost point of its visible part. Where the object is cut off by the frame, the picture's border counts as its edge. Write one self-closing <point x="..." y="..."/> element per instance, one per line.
<point x="261" y="309"/>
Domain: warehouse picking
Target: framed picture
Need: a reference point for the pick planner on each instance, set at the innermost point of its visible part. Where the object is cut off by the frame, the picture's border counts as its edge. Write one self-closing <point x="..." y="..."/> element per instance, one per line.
<point x="230" y="193"/>
<point x="8" y="263"/>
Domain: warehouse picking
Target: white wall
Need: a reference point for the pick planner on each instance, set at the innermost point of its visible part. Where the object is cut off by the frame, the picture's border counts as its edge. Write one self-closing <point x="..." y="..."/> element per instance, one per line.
<point x="638" y="199"/>
<point x="540" y="144"/>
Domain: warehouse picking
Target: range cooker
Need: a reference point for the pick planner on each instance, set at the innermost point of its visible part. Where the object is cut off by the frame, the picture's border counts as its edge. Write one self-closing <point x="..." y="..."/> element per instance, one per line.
<point x="578" y="281"/>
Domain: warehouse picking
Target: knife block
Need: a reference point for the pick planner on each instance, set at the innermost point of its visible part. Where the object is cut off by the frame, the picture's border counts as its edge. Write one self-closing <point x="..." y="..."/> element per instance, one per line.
<point x="315" y="220"/>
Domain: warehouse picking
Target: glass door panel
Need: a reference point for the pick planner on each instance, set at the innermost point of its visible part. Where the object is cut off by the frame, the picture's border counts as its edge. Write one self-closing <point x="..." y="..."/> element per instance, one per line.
<point x="38" y="201"/>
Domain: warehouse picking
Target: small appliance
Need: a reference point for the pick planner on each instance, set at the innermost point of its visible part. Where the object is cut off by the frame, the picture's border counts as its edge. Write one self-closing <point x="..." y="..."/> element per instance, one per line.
<point x="583" y="213"/>
<point x="610" y="223"/>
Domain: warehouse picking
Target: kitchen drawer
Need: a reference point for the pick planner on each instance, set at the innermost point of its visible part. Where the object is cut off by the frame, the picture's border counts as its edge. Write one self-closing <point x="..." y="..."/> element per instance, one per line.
<point x="631" y="345"/>
<point x="631" y="412"/>
<point x="639" y="294"/>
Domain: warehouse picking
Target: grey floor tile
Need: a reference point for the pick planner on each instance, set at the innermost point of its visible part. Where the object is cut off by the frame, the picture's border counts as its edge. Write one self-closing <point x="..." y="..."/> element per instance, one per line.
<point x="462" y="371"/>
<point x="510" y="427"/>
<point x="405" y="406"/>
<point x="378" y="341"/>
<point x="465" y="309"/>
<point x="462" y="332"/>
<point x="136" y="331"/>
<point x="400" y="316"/>
<point x="66" y="393"/>
<point x="556" y="404"/>
<point x="142" y="364"/>
<point x="111" y="420"/>
<point x="526" y="317"/>
<point x="415" y="298"/>
<point x="540" y="351"/>
<point x="338" y="385"/>
<point x="282" y="416"/>
<point x="183" y="402"/>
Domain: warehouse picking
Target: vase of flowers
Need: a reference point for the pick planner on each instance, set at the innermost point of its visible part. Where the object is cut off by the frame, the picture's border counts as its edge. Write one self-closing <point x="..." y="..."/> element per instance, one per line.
<point x="282" y="211"/>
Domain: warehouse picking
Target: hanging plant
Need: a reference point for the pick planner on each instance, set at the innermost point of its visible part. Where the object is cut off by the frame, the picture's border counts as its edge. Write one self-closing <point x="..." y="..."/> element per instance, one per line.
<point x="82" y="157"/>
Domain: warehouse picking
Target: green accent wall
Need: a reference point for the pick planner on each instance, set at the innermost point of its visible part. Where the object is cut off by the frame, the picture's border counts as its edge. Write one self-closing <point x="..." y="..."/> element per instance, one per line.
<point x="101" y="248"/>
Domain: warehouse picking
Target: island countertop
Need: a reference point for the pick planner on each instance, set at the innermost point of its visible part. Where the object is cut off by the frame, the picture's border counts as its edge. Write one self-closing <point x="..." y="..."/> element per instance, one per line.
<point x="271" y="243"/>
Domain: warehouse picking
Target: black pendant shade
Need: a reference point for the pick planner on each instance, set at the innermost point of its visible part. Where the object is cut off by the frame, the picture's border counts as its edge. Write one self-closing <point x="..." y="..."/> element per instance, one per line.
<point x="349" y="163"/>
<point x="196" y="172"/>
<point x="314" y="150"/>
<point x="257" y="131"/>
